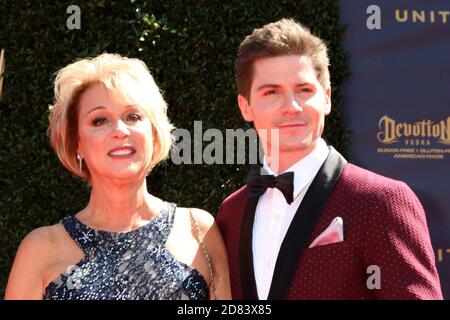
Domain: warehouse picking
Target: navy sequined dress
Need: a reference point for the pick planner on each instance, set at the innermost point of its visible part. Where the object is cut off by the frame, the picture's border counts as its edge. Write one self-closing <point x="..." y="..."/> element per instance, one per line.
<point x="127" y="265"/>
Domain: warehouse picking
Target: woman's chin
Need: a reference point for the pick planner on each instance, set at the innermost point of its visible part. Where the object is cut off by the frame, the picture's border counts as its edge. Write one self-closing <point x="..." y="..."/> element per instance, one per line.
<point x="126" y="174"/>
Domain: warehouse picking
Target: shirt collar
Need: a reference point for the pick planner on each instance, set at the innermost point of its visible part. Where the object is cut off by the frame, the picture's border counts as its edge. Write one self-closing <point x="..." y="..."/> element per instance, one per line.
<point x="305" y="169"/>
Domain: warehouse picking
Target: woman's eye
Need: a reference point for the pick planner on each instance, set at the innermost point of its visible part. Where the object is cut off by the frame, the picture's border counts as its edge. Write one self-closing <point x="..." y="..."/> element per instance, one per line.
<point x="99" y="121"/>
<point x="134" y="117"/>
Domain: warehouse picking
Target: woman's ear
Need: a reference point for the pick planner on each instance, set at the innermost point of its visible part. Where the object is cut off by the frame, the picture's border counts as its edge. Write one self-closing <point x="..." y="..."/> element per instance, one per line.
<point x="244" y="106"/>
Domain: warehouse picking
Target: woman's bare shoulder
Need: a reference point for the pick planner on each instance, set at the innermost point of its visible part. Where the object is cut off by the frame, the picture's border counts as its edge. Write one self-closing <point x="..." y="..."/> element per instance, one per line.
<point x="43" y="240"/>
<point x="207" y="225"/>
<point x="36" y="252"/>
<point x="204" y="218"/>
<point x="216" y="251"/>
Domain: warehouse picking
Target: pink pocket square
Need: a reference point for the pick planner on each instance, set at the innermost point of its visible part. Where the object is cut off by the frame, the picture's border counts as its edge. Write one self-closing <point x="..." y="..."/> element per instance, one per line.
<point x="333" y="234"/>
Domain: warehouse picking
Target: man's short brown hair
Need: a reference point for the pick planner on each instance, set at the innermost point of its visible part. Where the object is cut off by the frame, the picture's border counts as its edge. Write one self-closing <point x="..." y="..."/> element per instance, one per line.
<point x="284" y="37"/>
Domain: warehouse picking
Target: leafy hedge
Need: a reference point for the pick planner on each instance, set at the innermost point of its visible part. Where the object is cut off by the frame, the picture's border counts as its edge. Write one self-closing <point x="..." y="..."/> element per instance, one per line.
<point x="189" y="46"/>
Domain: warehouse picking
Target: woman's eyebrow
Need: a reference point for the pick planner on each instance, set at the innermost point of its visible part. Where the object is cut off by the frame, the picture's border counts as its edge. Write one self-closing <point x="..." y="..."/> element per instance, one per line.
<point x="96" y="108"/>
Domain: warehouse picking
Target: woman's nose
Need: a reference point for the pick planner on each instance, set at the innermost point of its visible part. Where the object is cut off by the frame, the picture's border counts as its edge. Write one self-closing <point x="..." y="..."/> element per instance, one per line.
<point x="120" y="130"/>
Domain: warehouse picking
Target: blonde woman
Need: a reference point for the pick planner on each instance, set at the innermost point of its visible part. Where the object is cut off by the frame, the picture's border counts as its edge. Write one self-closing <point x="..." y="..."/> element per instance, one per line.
<point x="109" y="126"/>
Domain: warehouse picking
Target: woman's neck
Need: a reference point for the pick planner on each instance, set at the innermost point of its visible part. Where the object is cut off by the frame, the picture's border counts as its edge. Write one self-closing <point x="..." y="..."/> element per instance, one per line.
<point x="119" y="206"/>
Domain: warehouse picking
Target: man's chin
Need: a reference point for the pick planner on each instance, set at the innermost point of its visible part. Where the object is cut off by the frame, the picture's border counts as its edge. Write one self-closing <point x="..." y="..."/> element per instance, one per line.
<point x="295" y="145"/>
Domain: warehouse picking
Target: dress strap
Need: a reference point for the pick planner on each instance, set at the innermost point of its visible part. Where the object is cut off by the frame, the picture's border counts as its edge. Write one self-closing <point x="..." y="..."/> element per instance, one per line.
<point x="83" y="236"/>
<point x="201" y="241"/>
<point x="169" y="211"/>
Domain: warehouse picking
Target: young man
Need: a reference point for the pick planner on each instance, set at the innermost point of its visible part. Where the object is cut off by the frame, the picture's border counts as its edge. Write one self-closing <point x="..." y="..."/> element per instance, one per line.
<point x="309" y="225"/>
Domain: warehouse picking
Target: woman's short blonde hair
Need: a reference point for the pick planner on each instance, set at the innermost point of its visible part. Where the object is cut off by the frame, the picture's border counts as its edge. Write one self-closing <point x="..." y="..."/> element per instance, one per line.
<point x="129" y="81"/>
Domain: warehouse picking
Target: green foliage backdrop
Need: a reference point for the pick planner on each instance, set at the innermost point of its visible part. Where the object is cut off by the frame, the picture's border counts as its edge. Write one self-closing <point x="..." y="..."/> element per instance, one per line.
<point x="189" y="46"/>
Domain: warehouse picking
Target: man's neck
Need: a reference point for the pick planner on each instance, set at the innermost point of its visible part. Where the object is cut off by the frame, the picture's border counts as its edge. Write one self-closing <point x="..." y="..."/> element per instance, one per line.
<point x="288" y="159"/>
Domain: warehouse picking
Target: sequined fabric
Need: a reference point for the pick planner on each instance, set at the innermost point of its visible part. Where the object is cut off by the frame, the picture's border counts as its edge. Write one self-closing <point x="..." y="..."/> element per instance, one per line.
<point x="131" y="265"/>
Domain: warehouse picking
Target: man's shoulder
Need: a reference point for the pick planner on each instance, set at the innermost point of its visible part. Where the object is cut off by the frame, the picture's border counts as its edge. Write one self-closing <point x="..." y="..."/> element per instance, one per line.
<point x="365" y="182"/>
<point x="377" y="198"/>
<point x="353" y="172"/>
<point x="237" y="197"/>
<point x="232" y="207"/>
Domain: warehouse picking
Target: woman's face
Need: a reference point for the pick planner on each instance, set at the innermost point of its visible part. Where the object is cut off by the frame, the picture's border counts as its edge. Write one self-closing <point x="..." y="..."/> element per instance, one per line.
<point x="115" y="140"/>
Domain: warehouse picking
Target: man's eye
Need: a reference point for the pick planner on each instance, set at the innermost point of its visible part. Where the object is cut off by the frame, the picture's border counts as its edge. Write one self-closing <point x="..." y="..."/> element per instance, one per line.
<point x="270" y="92"/>
<point x="306" y="90"/>
<point x="99" y="121"/>
<point x="134" y="117"/>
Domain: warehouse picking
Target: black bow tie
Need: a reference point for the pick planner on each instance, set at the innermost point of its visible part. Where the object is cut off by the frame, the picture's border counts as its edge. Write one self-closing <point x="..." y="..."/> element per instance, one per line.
<point x="258" y="183"/>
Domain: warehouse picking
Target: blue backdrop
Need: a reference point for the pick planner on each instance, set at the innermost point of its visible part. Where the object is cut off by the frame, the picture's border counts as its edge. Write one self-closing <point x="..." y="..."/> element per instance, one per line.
<point x="397" y="102"/>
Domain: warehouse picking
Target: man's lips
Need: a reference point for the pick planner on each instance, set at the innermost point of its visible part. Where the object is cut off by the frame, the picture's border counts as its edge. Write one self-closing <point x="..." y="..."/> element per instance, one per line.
<point x="291" y="125"/>
<point x="123" y="151"/>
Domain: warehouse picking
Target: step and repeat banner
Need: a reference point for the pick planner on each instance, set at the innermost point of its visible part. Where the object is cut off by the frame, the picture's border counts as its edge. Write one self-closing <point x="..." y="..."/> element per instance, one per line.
<point x="397" y="102"/>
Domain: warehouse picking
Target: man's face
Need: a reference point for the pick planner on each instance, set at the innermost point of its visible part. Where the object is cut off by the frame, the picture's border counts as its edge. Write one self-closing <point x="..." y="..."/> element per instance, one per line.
<point x="286" y="96"/>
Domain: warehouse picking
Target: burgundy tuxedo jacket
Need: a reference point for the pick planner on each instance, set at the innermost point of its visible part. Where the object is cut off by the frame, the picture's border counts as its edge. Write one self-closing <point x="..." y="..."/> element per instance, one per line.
<point x="384" y="226"/>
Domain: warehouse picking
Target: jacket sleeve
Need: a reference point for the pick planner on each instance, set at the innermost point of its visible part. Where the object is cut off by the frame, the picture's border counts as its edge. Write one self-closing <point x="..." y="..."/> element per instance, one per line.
<point x="398" y="244"/>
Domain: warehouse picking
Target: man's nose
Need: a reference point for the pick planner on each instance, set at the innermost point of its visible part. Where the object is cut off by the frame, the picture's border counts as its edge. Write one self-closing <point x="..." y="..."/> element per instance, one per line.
<point x="291" y="104"/>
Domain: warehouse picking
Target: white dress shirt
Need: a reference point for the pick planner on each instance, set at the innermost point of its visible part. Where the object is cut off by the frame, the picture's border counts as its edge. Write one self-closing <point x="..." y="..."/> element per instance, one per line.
<point x="274" y="215"/>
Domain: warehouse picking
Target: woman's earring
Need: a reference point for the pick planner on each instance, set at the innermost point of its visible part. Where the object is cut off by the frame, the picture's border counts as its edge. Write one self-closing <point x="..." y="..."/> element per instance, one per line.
<point x="80" y="162"/>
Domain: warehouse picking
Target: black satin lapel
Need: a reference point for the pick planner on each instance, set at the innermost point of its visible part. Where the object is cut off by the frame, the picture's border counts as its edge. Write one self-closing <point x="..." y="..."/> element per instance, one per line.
<point x="245" y="250"/>
<point x="303" y="223"/>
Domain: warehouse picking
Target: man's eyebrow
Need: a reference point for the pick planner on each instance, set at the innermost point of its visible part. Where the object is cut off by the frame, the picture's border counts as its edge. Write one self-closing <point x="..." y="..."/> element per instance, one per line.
<point x="267" y="85"/>
<point x="274" y="85"/>
<point x="303" y="84"/>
